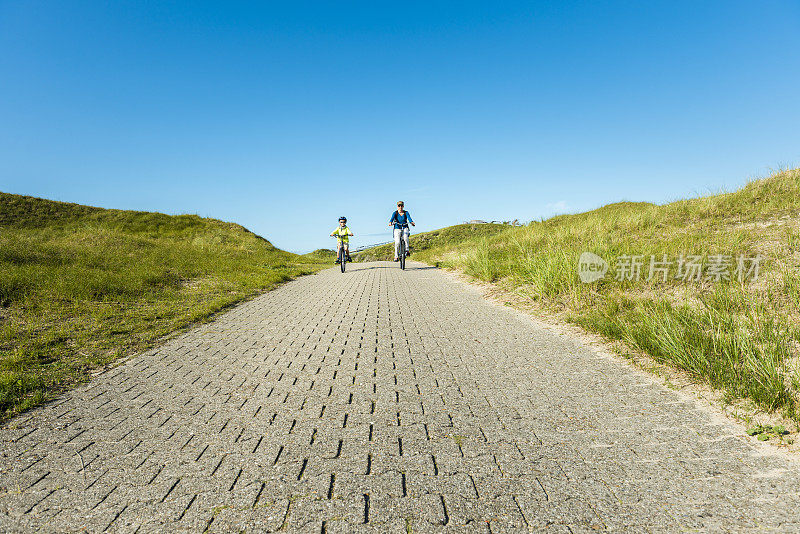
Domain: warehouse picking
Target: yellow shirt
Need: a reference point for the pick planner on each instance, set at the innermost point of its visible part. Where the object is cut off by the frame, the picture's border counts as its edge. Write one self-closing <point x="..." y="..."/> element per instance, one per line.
<point x="342" y="231"/>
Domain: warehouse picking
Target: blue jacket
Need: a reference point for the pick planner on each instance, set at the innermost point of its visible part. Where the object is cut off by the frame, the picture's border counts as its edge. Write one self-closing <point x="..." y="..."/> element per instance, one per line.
<point x="401" y="221"/>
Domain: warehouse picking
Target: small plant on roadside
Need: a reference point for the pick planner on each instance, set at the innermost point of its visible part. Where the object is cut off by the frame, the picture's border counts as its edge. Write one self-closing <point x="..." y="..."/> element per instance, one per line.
<point x="765" y="432"/>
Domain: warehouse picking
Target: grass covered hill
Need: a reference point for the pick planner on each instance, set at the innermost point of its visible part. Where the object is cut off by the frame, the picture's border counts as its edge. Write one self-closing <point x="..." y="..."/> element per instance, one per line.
<point x="738" y="332"/>
<point x="81" y="286"/>
<point x="434" y="240"/>
<point x="321" y="255"/>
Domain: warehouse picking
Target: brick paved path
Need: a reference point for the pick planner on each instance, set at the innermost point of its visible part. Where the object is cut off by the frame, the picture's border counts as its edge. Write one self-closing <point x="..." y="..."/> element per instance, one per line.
<point x="382" y="401"/>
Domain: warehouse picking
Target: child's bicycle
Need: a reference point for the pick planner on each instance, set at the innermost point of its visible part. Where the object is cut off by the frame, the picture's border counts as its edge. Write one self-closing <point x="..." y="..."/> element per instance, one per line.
<point x="342" y="256"/>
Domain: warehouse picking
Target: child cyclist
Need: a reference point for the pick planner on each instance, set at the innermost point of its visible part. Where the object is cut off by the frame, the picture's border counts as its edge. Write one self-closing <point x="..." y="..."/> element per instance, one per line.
<point x="344" y="231"/>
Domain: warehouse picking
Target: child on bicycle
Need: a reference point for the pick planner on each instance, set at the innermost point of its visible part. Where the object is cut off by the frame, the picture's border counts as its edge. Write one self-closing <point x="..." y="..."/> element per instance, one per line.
<point x="345" y="233"/>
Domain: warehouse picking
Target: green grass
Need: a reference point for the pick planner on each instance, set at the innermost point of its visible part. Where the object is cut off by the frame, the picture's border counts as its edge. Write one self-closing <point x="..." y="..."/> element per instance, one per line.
<point x="742" y="338"/>
<point x="434" y="240"/>
<point x="320" y="255"/>
<point x="82" y="286"/>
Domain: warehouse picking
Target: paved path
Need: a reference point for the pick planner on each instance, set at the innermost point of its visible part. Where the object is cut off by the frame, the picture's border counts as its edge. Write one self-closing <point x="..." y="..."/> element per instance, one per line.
<point x="383" y="401"/>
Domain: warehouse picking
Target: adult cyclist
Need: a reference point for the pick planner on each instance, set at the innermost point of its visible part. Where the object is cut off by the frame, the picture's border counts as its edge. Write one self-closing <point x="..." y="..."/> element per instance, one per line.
<point x="400" y="220"/>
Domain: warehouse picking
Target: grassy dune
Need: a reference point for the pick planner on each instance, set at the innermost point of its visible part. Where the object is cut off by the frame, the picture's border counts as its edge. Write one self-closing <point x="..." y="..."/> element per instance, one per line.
<point x="435" y="240"/>
<point x="82" y="286"/>
<point x="320" y="255"/>
<point x="740" y="336"/>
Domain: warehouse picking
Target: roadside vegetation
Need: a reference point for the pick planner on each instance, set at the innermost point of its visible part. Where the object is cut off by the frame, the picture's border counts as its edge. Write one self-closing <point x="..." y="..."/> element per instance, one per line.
<point x="320" y="255"/>
<point x="449" y="237"/>
<point x="82" y="286"/>
<point x="739" y="333"/>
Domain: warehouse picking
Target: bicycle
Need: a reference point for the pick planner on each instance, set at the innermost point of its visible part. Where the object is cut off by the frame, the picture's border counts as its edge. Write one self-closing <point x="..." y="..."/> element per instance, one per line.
<point x="403" y="251"/>
<point x="342" y="256"/>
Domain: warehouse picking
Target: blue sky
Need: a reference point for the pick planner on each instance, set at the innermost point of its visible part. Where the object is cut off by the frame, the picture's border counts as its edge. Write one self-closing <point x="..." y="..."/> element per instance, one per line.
<point x="282" y="116"/>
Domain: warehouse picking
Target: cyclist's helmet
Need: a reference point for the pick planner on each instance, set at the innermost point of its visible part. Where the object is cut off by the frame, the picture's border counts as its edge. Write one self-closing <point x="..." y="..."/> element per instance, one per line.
<point x="343" y="218"/>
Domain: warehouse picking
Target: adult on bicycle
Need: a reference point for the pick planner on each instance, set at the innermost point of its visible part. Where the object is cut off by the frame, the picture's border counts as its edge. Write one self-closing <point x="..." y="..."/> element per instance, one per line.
<point x="344" y="232"/>
<point x="400" y="220"/>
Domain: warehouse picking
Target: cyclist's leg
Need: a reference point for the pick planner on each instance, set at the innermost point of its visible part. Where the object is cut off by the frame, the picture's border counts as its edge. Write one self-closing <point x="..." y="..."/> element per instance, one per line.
<point x="338" y="247"/>
<point x="406" y="233"/>
<point x="347" y="250"/>
<point x="397" y="233"/>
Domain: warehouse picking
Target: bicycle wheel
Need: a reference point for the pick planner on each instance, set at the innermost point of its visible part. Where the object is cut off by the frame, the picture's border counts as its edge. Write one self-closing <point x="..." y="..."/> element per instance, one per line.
<point x="402" y="253"/>
<point x="342" y="258"/>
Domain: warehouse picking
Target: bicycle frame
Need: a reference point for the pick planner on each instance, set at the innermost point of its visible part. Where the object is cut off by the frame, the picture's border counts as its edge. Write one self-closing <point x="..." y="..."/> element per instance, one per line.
<point x="403" y="251"/>
<point x="341" y="253"/>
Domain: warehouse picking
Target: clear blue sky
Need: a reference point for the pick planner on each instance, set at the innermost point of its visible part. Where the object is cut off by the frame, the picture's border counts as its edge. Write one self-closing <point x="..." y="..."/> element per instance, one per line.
<point x="282" y="116"/>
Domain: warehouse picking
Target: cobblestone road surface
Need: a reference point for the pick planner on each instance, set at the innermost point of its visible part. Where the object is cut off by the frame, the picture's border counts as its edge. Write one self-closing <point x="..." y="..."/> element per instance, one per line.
<point x="383" y="401"/>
